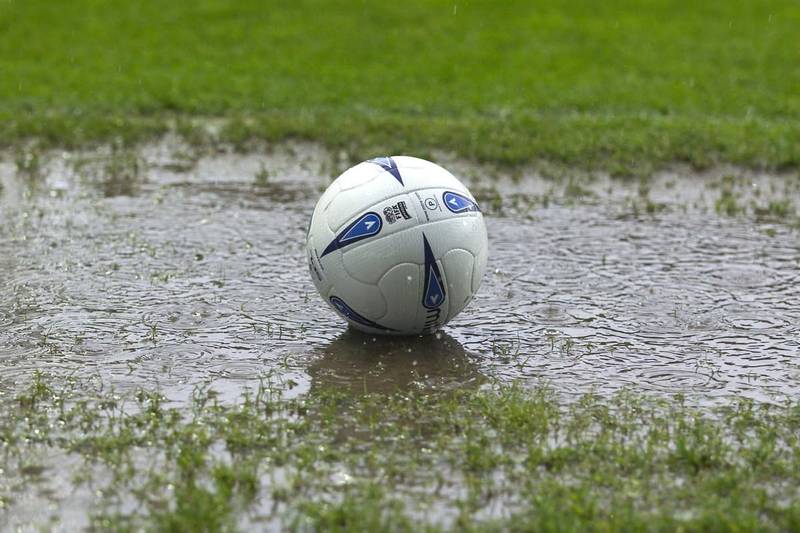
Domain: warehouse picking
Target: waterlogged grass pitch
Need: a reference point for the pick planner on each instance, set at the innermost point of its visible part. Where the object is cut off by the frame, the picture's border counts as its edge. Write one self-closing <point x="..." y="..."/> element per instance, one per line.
<point x="480" y="460"/>
<point x="612" y="380"/>
<point x="125" y="343"/>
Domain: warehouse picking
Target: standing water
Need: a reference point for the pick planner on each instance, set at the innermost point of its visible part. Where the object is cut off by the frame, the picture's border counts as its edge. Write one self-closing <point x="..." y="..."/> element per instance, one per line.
<point x="133" y="270"/>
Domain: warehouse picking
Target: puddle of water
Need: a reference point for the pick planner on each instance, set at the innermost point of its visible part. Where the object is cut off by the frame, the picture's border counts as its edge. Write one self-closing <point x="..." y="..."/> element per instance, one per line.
<point x="365" y="363"/>
<point x="197" y="278"/>
<point x="135" y="272"/>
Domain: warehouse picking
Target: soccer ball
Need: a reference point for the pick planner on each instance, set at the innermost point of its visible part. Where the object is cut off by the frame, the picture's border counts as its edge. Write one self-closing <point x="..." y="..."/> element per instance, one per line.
<point x="397" y="245"/>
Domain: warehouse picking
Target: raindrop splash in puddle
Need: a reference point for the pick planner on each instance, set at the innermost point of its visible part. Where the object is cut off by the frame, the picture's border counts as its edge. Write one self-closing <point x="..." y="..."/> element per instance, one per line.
<point x="199" y="278"/>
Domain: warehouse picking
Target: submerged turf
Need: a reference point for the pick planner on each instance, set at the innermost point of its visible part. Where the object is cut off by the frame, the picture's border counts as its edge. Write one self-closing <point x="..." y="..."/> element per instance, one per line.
<point x="625" y="86"/>
<point x="480" y="460"/>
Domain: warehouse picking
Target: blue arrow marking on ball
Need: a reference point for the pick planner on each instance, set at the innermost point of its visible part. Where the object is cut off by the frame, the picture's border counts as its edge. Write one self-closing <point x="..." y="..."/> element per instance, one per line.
<point x="365" y="226"/>
<point x="388" y="164"/>
<point x="434" y="295"/>
<point x="434" y="286"/>
<point x="348" y="312"/>
<point x="458" y="203"/>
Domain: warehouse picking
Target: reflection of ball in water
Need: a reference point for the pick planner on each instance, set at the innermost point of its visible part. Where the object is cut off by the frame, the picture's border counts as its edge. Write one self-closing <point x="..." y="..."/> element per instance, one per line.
<point x="397" y="245"/>
<point x="361" y="363"/>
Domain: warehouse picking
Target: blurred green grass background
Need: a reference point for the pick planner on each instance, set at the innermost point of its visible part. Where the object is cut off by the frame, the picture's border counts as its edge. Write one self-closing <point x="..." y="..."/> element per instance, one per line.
<point x="626" y="86"/>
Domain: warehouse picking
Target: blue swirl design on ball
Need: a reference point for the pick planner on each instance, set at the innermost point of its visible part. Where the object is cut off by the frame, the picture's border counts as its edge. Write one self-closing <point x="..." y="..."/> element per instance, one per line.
<point x="458" y="203"/>
<point x="434" y="293"/>
<point x="388" y="164"/>
<point x="366" y="226"/>
<point x="348" y="312"/>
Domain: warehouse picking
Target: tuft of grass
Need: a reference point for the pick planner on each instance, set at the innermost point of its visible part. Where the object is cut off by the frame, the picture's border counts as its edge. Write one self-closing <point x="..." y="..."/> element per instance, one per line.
<point x="122" y="173"/>
<point x="29" y="163"/>
<point x="575" y="190"/>
<point x="728" y="203"/>
<point x="369" y="507"/>
<point x="262" y="176"/>
<point x="776" y="209"/>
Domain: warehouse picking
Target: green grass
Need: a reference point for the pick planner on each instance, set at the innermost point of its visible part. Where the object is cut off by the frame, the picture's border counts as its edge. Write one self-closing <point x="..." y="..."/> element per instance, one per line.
<point x="623" y="86"/>
<point x="479" y="460"/>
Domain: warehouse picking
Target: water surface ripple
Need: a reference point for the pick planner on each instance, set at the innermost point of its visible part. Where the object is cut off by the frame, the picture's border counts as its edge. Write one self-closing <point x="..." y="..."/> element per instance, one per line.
<point x="200" y="278"/>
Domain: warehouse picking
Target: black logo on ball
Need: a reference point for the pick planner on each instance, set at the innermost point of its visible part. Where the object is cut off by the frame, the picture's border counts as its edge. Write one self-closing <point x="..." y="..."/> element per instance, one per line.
<point x="395" y="212"/>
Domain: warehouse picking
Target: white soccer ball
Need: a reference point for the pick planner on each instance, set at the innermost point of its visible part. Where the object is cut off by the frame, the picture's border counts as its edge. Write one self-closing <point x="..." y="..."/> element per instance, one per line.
<point x="397" y="245"/>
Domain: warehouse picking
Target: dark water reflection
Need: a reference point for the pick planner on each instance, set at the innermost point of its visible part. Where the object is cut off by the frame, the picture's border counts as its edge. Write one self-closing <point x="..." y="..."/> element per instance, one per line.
<point x="199" y="279"/>
<point x="365" y="363"/>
